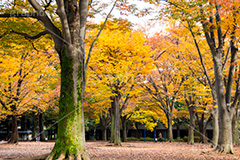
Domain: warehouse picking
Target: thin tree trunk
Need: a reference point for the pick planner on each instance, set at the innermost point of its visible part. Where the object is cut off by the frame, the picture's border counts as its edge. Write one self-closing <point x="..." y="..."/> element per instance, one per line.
<point x="8" y="128"/>
<point x="23" y="123"/>
<point x="112" y="121"/>
<point x="104" y="133"/>
<point x="33" y="127"/>
<point x="170" y="131"/>
<point x="14" y="137"/>
<point x="191" y="126"/>
<point x="124" y="125"/>
<point x="40" y="125"/>
<point x="117" y="138"/>
<point x="178" y="131"/>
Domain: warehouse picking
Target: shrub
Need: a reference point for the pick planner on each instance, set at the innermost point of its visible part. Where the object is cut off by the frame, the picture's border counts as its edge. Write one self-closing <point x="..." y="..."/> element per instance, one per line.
<point x="185" y="138"/>
<point x="147" y="139"/>
<point x="196" y="139"/>
<point x="179" y="139"/>
<point x="132" y="139"/>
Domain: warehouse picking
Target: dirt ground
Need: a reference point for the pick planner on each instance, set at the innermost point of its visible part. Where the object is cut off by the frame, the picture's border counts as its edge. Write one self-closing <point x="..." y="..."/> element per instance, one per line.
<point x="102" y="150"/>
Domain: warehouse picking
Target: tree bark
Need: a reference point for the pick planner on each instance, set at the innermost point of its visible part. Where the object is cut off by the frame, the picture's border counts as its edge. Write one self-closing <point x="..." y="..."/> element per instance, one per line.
<point x="104" y="133"/>
<point x="178" y="131"/>
<point x="170" y="131"/>
<point x="215" y="127"/>
<point x="71" y="132"/>
<point x="235" y="128"/>
<point x="124" y="126"/>
<point x="117" y="138"/>
<point x="191" y="126"/>
<point x="14" y="137"/>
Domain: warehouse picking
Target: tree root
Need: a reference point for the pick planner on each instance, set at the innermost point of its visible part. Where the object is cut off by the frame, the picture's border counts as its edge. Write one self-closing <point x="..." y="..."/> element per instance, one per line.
<point x="63" y="156"/>
<point x="12" y="141"/>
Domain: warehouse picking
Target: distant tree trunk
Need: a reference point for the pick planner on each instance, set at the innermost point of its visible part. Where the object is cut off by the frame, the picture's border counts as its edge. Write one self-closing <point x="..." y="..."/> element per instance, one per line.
<point x="33" y="127"/>
<point x="104" y="121"/>
<point x="8" y="128"/>
<point x="191" y="126"/>
<point x="14" y="137"/>
<point x="40" y="125"/>
<point x="124" y="125"/>
<point x="112" y="122"/>
<point x="235" y="127"/>
<point x="169" y="130"/>
<point x="23" y="123"/>
<point x="49" y="133"/>
<point x="202" y="128"/>
<point x="104" y="133"/>
<point x="28" y="123"/>
<point x="178" y="131"/>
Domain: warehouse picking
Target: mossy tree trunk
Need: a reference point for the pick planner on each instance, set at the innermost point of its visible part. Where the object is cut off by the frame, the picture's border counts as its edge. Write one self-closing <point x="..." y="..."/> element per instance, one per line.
<point x="70" y="142"/>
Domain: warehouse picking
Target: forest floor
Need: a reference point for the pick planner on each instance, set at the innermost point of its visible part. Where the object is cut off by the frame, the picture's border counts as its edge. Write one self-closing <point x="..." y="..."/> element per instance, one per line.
<point x="102" y="150"/>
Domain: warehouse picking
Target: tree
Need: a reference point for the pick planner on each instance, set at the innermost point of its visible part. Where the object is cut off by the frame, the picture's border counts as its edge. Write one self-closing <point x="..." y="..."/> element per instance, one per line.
<point x="219" y="26"/>
<point x="116" y="65"/>
<point x="69" y="43"/>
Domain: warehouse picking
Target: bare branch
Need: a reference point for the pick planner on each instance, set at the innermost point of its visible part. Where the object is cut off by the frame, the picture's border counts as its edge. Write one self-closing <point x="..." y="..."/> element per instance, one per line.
<point x="103" y="25"/>
<point x="27" y="36"/>
<point x="49" y="26"/>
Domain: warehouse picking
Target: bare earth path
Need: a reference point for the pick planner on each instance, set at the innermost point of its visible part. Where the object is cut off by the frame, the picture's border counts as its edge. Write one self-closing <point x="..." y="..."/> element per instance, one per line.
<point x="102" y="150"/>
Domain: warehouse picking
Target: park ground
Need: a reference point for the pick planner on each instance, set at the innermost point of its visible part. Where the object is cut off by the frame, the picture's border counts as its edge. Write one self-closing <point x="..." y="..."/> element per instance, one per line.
<point x="102" y="150"/>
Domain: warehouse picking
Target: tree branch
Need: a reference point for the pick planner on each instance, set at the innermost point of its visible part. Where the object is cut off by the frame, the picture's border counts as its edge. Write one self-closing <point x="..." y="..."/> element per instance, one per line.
<point x="27" y="36"/>
<point x="49" y="26"/>
<point x="103" y="25"/>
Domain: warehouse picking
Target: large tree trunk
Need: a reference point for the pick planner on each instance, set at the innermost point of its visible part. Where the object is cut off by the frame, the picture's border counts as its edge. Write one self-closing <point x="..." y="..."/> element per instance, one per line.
<point x="71" y="132"/>
<point x="191" y="126"/>
<point x="70" y="143"/>
<point x="40" y="125"/>
<point x="14" y="137"/>
<point x="170" y="131"/>
<point x="225" y="121"/>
